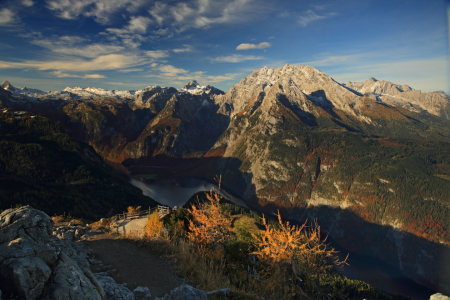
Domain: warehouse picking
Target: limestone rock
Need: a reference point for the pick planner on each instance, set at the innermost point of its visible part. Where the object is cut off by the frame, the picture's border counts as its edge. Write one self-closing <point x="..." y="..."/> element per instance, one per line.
<point x="142" y="293"/>
<point x="113" y="290"/>
<point x="68" y="281"/>
<point x="25" y="222"/>
<point x="439" y="296"/>
<point x="25" y="276"/>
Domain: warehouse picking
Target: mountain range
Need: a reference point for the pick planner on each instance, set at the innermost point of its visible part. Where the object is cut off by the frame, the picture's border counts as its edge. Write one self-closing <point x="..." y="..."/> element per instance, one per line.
<point x="369" y="160"/>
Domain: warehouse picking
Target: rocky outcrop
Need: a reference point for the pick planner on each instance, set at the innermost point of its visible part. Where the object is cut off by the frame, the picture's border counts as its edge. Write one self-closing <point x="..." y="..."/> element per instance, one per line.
<point x="37" y="264"/>
<point x="187" y="292"/>
<point x="439" y="296"/>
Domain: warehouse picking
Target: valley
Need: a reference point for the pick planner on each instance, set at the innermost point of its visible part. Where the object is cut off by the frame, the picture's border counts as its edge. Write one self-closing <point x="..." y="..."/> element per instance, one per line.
<point x="370" y="161"/>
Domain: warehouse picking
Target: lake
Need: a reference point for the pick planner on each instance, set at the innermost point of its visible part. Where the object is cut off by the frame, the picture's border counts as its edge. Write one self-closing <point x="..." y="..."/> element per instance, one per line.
<point x="176" y="192"/>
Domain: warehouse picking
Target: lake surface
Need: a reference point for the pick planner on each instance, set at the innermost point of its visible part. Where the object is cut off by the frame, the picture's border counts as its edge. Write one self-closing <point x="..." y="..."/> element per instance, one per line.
<point x="371" y="270"/>
<point x="177" y="192"/>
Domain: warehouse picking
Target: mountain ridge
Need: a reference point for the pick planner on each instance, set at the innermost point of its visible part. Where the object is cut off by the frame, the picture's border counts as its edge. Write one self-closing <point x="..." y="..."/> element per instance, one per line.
<point x="296" y="140"/>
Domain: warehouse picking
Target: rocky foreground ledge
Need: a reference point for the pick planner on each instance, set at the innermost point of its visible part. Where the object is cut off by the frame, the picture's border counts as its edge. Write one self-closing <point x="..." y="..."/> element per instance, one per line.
<point x="41" y="261"/>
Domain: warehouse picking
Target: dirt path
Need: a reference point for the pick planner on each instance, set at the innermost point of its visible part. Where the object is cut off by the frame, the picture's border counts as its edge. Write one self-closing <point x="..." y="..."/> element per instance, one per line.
<point x="134" y="265"/>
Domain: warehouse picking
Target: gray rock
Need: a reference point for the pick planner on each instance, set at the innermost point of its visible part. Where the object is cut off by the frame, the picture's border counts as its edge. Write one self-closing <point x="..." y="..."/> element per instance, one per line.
<point x="67" y="235"/>
<point x="113" y="290"/>
<point x="25" y="276"/>
<point x="68" y="281"/>
<point x="185" y="292"/>
<point x="222" y="292"/>
<point x="439" y="296"/>
<point x="25" y="222"/>
<point x="79" y="232"/>
<point x="142" y="293"/>
<point x="22" y="248"/>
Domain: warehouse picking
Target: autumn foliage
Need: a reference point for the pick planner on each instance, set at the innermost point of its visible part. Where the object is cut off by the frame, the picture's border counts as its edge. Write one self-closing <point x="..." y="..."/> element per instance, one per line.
<point x="211" y="226"/>
<point x="154" y="227"/>
<point x="292" y="261"/>
<point x="133" y="209"/>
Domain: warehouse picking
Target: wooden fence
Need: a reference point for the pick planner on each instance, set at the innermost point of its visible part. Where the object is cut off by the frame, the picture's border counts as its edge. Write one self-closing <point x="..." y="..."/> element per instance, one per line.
<point x="162" y="211"/>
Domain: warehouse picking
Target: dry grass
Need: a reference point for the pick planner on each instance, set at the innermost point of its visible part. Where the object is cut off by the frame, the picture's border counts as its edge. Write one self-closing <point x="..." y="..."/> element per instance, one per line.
<point x="63" y="220"/>
<point x="189" y="263"/>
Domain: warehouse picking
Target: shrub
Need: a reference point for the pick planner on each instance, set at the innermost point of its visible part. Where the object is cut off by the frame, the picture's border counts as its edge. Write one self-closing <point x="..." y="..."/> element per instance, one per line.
<point x="154" y="227"/>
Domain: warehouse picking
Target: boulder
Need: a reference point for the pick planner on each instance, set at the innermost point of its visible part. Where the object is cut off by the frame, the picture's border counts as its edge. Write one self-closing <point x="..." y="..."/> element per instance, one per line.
<point x="25" y="276"/>
<point x="68" y="281"/>
<point x="439" y="296"/>
<point x="113" y="290"/>
<point x="142" y="293"/>
<point x="25" y="222"/>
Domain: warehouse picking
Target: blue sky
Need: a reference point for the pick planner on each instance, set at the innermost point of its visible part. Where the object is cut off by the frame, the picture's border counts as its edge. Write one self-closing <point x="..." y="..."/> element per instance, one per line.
<point x="131" y="44"/>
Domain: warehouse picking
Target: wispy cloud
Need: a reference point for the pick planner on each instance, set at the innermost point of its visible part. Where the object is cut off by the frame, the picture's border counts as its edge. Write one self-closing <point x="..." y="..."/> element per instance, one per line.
<point x="27" y="3"/>
<point x="103" y="62"/>
<point x="186" y="48"/>
<point x="60" y="74"/>
<point x="246" y="46"/>
<point x="235" y="58"/>
<point x="94" y="76"/>
<point x="7" y="17"/>
<point x="311" y="16"/>
<point x="100" y="10"/>
<point x="157" y="54"/>
<point x="74" y="45"/>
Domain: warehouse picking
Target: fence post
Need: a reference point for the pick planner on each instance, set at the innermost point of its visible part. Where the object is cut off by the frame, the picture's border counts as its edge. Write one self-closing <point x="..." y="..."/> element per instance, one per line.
<point x="124" y="216"/>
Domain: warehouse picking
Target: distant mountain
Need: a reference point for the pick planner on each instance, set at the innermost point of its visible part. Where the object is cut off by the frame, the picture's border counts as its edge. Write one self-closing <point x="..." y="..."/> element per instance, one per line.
<point x="436" y="103"/>
<point x="373" y="171"/>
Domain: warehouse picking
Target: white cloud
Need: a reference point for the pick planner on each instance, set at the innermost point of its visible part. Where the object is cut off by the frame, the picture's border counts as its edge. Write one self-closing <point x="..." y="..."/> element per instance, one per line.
<point x="100" y="10"/>
<point x="311" y="16"/>
<point x="7" y="17"/>
<point x="157" y="54"/>
<point x="204" y="13"/>
<point x="104" y="62"/>
<point x="246" y="46"/>
<point x="138" y="24"/>
<point x="69" y="45"/>
<point x="235" y="58"/>
<point x="116" y="83"/>
<point x="131" y="70"/>
<point x="60" y="74"/>
<point x="94" y="76"/>
<point x="186" y="48"/>
<point x="27" y="3"/>
<point x="169" y="70"/>
<point x="272" y="37"/>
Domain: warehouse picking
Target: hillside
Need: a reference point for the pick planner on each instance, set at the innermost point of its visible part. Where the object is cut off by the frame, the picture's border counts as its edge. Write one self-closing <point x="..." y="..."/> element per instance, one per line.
<point x="43" y="166"/>
<point x="373" y="171"/>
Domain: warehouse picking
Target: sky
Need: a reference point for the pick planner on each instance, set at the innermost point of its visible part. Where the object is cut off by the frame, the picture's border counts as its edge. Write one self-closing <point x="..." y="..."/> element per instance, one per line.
<point x="131" y="44"/>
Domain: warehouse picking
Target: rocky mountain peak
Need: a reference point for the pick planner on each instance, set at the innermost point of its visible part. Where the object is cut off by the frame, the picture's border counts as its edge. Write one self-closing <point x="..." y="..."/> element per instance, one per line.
<point x="8" y="86"/>
<point x="190" y="85"/>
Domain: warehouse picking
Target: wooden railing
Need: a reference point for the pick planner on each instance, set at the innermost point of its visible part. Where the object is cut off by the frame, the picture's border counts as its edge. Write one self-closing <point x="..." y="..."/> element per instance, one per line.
<point x="162" y="211"/>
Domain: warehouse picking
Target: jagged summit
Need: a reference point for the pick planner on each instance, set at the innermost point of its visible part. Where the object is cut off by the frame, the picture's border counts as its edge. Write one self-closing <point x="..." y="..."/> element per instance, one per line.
<point x="196" y="89"/>
<point x="8" y="86"/>
<point x="190" y="85"/>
